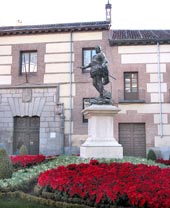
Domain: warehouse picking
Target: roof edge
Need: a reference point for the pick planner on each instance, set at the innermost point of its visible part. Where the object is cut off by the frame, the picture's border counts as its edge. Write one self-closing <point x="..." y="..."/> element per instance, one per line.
<point x="53" y="28"/>
<point x="138" y="42"/>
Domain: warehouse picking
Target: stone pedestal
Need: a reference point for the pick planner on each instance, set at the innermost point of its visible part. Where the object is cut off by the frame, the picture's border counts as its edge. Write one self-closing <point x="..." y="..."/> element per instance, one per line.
<point x="101" y="142"/>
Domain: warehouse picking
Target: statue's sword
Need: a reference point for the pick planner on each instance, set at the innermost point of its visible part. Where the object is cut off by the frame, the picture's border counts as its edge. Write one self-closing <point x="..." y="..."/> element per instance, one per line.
<point x="112" y="77"/>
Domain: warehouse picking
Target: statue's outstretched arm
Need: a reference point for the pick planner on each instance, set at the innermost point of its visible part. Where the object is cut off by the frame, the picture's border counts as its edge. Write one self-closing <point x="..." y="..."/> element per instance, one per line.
<point x="85" y="67"/>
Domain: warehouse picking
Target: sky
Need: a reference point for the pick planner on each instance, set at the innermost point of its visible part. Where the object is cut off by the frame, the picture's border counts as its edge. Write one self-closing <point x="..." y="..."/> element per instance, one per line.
<point x="126" y="14"/>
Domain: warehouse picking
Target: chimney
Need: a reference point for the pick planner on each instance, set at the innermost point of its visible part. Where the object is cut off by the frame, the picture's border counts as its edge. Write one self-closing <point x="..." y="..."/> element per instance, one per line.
<point x="108" y="8"/>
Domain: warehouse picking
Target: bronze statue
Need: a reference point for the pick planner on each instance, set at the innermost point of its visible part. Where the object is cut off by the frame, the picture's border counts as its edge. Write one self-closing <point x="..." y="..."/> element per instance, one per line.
<point x="100" y="76"/>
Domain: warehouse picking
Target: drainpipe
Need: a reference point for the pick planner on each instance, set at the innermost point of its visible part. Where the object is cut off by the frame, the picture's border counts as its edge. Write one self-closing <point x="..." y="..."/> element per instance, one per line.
<point x="160" y="90"/>
<point x="71" y="70"/>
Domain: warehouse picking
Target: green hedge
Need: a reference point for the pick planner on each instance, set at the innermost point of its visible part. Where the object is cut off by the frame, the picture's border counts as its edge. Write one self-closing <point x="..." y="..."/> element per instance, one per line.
<point x="40" y="200"/>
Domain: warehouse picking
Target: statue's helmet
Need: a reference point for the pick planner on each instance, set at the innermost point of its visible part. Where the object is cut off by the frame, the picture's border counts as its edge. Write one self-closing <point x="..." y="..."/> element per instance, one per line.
<point x="98" y="48"/>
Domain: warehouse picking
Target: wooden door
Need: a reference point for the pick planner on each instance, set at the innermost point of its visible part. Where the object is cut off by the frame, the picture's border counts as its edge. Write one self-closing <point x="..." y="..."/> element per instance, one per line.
<point x="132" y="138"/>
<point x="26" y="131"/>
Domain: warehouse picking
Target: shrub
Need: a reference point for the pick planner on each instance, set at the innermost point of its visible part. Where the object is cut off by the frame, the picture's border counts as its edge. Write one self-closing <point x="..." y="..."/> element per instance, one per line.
<point x="5" y="165"/>
<point x="151" y="155"/>
<point x="23" y="150"/>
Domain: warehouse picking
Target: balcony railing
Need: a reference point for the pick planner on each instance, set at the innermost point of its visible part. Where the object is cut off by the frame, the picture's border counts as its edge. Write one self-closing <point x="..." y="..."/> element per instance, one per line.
<point x="141" y="97"/>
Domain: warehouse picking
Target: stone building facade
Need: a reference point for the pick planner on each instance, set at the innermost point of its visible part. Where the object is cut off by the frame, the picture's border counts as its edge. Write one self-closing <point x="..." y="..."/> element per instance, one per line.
<point x="41" y="106"/>
<point x="38" y="84"/>
<point x="32" y="116"/>
<point x="140" y="62"/>
<point x="144" y="120"/>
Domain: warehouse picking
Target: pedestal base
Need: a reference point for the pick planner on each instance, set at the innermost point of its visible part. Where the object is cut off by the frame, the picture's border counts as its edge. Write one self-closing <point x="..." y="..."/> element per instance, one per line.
<point x="101" y="142"/>
<point x="101" y="152"/>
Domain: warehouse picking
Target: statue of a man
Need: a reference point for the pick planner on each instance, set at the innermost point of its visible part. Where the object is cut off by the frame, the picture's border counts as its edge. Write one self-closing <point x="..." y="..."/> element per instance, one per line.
<point x="99" y="73"/>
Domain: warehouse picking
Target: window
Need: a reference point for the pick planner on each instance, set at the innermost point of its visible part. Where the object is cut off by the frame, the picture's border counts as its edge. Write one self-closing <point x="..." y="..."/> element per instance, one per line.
<point x="86" y="103"/>
<point x="87" y="57"/>
<point x="131" y="86"/>
<point x="28" y="62"/>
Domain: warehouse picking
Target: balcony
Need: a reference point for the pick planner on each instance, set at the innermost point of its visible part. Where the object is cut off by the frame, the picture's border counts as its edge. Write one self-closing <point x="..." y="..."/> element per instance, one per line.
<point x="139" y="97"/>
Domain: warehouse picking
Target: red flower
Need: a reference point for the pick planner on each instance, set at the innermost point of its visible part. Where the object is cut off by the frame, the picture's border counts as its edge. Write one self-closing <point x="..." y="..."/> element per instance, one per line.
<point x="165" y="162"/>
<point x="142" y="185"/>
<point x="26" y="160"/>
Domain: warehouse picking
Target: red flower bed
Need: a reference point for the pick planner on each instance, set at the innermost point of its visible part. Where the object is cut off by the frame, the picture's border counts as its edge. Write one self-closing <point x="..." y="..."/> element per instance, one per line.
<point x="165" y="162"/>
<point x="115" y="183"/>
<point x="26" y="160"/>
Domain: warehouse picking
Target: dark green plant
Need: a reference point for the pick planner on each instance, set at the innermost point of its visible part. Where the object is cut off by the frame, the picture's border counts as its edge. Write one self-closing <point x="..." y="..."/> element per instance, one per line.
<point x="38" y="190"/>
<point x="23" y="150"/>
<point x="20" y="203"/>
<point x="6" y="168"/>
<point x="151" y="155"/>
<point x="20" y="199"/>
